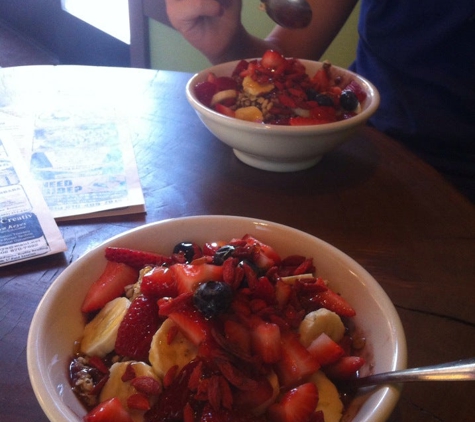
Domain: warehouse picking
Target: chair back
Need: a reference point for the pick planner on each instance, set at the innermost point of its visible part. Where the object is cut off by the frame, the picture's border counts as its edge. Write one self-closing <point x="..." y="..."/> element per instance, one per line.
<point x="140" y="11"/>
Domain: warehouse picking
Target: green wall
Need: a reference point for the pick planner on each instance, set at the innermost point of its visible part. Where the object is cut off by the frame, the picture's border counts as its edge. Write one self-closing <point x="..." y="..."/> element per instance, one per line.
<point x="170" y="51"/>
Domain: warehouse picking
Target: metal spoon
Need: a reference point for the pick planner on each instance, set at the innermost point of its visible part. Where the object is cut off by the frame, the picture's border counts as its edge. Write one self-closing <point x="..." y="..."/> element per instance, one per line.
<point x="292" y="14"/>
<point x="460" y="370"/>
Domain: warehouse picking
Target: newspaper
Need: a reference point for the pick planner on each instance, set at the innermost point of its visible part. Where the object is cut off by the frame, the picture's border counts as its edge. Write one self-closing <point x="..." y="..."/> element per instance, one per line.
<point x="27" y="228"/>
<point x="83" y="161"/>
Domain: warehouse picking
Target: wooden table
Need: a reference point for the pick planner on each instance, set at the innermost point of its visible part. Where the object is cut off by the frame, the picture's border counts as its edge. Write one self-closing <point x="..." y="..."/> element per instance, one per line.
<point x="371" y="198"/>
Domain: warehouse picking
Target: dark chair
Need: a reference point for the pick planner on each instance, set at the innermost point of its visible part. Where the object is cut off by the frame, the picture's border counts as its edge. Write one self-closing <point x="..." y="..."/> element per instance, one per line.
<point x="140" y="11"/>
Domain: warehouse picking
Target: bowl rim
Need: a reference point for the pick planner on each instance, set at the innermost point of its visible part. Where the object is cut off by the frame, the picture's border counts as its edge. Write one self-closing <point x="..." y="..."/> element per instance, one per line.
<point x="388" y="395"/>
<point x="360" y="118"/>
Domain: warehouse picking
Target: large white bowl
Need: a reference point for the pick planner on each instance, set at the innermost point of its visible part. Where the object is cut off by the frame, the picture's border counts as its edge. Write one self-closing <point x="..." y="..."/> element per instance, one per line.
<point x="281" y="148"/>
<point x="58" y="322"/>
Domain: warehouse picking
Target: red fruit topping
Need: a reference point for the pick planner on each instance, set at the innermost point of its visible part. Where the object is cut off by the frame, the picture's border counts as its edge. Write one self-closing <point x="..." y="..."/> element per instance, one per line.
<point x="110" y="410"/>
<point x="272" y="60"/>
<point x="192" y="324"/>
<point x="171" y="403"/>
<point x="344" y="368"/>
<point x="135" y="258"/>
<point x="266" y="256"/>
<point x="266" y="341"/>
<point x="325" y="350"/>
<point x="296" y="362"/>
<point x="297" y="405"/>
<point x="237" y="337"/>
<point x="189" y="276"/>
<point x="333" y="302"/>
<point x="147" y="385"/>
<point x="225" y="82"/>
<point x="110" y="285"/>
<point x="204" y="91"/>
<point x="251" y="399"/>
<point x="227" y="111"/>
<point x="98" y="363"/>
<point x="138" y="401"/>
<point x="137" y="328"/>
<point x="159" y="282"/>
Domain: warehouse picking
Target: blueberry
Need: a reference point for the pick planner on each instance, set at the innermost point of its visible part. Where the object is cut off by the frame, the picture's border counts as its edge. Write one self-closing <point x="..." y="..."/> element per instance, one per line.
<point x="222" y="254"/>
<point x="213" y="298"/>
<point x="189" y="250"/>
<point x="349" y="100"/>
<point x="321" y="99"/>
<point x="324" y="100"/>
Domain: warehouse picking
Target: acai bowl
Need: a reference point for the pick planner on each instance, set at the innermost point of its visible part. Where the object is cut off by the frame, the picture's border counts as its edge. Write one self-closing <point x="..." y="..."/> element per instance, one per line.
<point x="59" y="323"/>
<point x="282" y="120"/>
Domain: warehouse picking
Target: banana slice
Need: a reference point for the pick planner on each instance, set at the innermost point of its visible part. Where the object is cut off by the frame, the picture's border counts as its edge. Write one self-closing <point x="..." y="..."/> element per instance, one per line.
<point x="163" y="356"/>
<point x="328" y="398"/>
<point x="115" y="387"/>
<point x="321" y="321"/>
<point x="100" y="334"/>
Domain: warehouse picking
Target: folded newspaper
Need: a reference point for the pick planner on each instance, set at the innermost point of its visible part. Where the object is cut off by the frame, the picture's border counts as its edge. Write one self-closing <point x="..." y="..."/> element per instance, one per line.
<point x="27" y="228"/>
<point x="80" y="164"/>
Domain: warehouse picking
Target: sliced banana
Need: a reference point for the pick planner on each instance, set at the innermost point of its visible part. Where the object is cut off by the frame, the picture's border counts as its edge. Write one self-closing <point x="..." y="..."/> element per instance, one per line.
<point x="115" y="387"/>
<point x="100" y="334"/>
<point x="163" y="356"/>
<point x="328" y="398"/>
<point x="220" y="96"/>
<point x="321" y="321"/>
<point x="253" y="87"/>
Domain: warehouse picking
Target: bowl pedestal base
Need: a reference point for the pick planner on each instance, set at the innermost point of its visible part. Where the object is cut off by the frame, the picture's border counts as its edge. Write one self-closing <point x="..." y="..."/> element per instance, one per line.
<point x="283" y="166"/>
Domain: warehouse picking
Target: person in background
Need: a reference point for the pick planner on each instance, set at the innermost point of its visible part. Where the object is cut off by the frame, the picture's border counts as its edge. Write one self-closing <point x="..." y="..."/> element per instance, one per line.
<point x="419" y="54"/>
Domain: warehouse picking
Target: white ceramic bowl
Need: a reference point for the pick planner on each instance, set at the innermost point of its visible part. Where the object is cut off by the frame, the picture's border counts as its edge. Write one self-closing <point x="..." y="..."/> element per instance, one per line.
<point x="58" y="322"/>
<point x="281" y="148"/>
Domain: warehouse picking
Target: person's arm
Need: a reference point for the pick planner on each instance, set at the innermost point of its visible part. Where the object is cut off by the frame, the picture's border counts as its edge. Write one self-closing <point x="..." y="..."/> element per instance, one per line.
<point x="214" y="27"/>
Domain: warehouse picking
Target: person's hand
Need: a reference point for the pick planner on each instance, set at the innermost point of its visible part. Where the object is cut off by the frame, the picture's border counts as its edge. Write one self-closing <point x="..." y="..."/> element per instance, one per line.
<point x="211" y="26"/>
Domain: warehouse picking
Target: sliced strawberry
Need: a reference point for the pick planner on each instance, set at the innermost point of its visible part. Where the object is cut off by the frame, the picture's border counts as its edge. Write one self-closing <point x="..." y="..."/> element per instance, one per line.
<point x="266" y="255"/>
<point x="137" y="328"/>
<point x="238" y="336"/>
<point x="297" y="405"/>
<point x="325" y="350"/>
<point x="225" y="82"/>
<point x="204" y="91"/>
<point x="189" y="276"/>
<point x="272" y="59"/>
<point x="344" y="368"/>
<point x="135" y="258"/>
<point x="283" y="292"/>
<point x="322" y="79"/>
<point x="302" y="121"/>
<point x="109" y="410"/>
<point x="296" y="362"/>
<point x="266" y="341"/>
<point x="192" y="324"/>
<point x="333" y="302"/>
<point x="357" y="89"/>
<point x="110" y="285"/>
<point x="254" y="398"/>
<point x="227" y="111"/>
<point x="138" y="401"/>
<point x="159" y="282"/>
<point x="324" y="113"/>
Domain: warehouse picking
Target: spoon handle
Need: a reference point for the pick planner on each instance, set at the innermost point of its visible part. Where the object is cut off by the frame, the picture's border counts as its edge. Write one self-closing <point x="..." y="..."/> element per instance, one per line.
<point x="460" y="370"/>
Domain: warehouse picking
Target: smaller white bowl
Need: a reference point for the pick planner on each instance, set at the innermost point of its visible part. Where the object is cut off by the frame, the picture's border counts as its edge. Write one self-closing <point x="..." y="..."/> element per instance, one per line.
<point x="281" y="148"/>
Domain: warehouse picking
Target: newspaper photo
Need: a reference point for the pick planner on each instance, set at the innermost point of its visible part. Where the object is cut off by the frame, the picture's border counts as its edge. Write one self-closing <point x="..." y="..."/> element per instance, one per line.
<point x="85" y="166"/>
